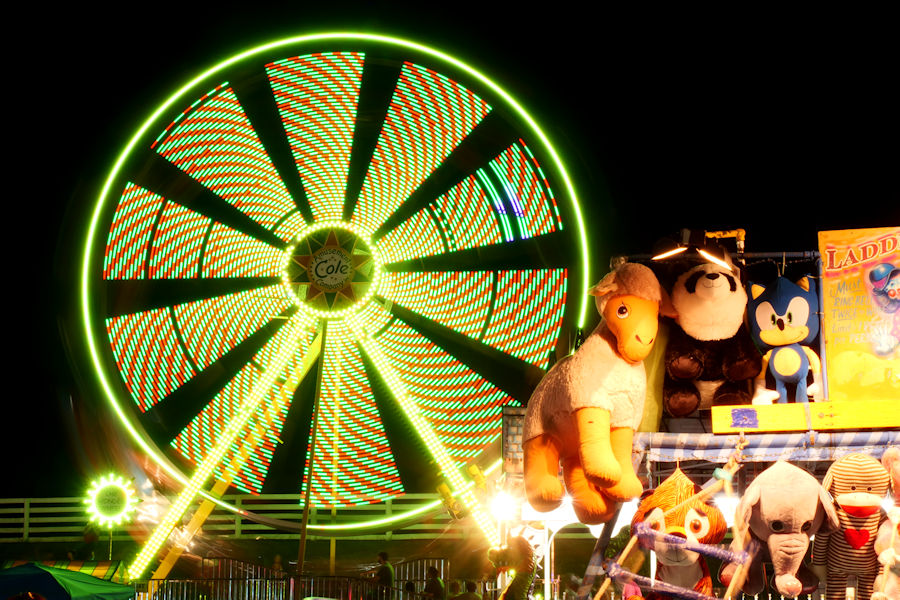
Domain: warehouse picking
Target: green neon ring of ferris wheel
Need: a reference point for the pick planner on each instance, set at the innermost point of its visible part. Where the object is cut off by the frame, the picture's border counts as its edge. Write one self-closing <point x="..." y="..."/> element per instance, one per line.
<point x="166" y="105"/>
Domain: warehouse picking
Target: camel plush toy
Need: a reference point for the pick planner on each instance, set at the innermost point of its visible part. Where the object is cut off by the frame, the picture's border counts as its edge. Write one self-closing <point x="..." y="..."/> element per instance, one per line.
<point x="694" y="519"/>
<point x="858" y="483"/>
<point x="586" y="408"/>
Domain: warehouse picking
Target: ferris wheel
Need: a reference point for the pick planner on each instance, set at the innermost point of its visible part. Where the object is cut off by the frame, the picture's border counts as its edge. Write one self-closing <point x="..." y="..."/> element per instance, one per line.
<point x="341" y="248"/>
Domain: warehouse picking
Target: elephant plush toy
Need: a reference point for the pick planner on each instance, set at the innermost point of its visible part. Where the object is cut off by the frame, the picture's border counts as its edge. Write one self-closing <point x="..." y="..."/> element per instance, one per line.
<point x="784" y="506"/>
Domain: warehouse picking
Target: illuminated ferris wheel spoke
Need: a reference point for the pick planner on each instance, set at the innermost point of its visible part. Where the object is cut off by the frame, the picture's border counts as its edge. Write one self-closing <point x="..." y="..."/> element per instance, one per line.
<point x="161" y="176"/>
<point x="407" y="446"/>
<point x="223" y="445"/>
<point x="352" y="459"/>
<point x="515" y="377"/>
<point x="437" y="384"/>
<point x="546" y="250"/>
<point x="436" y="448"/>
<point x="379" y="80"/>
<point x="256" y="98"/>
<point x="488" y="139"/>
<point x="138" y="295"/>
<point x="168" y="417"/>
<point x="289" y="457"/>
<point x="253" y="447"/>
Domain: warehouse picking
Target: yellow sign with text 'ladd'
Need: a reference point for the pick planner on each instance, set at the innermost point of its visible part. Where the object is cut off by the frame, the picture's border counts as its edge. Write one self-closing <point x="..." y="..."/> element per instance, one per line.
<point x="861" y="320"/>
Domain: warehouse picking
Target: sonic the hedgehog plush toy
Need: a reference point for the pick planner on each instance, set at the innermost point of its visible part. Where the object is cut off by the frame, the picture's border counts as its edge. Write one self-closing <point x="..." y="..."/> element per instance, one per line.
<point x="783" y="320"/>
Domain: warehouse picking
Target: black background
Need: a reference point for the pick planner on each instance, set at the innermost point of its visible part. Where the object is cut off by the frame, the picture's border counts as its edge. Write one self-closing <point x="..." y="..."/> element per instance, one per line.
<point x="781" y="124"/>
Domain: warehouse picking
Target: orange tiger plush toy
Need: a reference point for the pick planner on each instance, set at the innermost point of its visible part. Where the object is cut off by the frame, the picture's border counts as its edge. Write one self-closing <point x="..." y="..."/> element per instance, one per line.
<point x="695" y="520"/>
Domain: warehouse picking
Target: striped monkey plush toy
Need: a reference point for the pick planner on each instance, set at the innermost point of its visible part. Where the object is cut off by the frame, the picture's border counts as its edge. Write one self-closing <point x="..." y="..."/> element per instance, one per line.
<point x="887" y="544"/>
<point x="858" y="483"/>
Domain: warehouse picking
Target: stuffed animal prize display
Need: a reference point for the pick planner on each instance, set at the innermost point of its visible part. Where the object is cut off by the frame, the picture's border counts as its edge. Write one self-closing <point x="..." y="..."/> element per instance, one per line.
<point x="583" y="414"/>
<point x="674" y="509"/>
<point x="858" y="483"/>
<point x="710" y="359"/>
<point x="783" y="321"/>
<point x="586" y="408"/>
<point x="784" y="506"/>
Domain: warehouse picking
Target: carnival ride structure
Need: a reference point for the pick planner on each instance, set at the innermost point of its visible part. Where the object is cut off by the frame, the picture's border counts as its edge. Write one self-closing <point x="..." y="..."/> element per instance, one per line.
<point x="324" y="265"/>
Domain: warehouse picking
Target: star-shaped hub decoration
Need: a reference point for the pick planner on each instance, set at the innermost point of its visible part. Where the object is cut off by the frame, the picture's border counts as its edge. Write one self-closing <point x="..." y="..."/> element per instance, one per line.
<point x="332" y="269"/>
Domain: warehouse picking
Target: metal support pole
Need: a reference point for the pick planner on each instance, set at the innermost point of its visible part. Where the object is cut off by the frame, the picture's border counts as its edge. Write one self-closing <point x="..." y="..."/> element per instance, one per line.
<point x="301" y="551"/>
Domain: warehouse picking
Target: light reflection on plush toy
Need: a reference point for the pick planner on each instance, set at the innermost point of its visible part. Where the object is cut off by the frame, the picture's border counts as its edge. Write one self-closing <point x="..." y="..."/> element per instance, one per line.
<point x="586" y="408"/>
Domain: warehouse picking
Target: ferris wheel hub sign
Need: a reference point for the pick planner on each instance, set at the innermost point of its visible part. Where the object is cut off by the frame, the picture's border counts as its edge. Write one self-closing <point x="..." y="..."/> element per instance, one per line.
<point x="332" y="269"/>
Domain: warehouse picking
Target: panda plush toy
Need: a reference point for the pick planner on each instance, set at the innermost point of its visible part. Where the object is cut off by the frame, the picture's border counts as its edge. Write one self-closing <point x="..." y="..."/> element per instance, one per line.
<point x="710" y="358"/>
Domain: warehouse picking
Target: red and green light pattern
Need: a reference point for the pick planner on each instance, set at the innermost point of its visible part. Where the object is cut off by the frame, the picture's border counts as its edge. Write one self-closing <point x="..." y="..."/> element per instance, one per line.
<point x="130" y="233"/>
<point x="185" y="244"/>
<point x="149" y="338"/>
<point x="461" y="407"/>
<point x="231" y="314"/>
<point x="514" y="318"/>
<point x="428" y="117"/>
<point x="520" y="323"/>
<point x="353" y="463"/>
<point x="214" y="142"/>
<point x="178" y="243"/>
<point x="248" y="460"/>
<point x="230" y="253"/>
<point x="182" y="340"/>
<point x="467" y="217"/>
<point x="527" y="191"/>
<point x="288" y="227"/>
<point x="317" y="98"/>
<point x="211" y="327"/>
<point x="417" y="236"/>
<point x="460" y="301"/>
<point x="462" y="218"/>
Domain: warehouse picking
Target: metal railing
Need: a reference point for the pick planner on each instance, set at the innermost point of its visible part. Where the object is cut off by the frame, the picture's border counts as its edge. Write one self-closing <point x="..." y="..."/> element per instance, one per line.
<point x="215" y="589"/>
<point x="277" y="588"/>
<point x="65" y="520"/>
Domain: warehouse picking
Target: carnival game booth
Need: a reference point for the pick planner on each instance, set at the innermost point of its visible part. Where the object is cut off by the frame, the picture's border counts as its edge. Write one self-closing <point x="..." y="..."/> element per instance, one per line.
<point x="843" y="410"/>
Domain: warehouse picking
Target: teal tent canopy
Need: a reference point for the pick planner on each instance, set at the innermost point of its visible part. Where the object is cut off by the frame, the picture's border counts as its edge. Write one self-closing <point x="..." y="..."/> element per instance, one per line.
<point x="53" y="584"/>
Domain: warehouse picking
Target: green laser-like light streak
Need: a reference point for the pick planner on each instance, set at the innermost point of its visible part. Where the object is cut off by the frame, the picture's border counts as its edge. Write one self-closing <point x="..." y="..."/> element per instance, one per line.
<point x="448" y="467"/>
<point x="223" y="445"/>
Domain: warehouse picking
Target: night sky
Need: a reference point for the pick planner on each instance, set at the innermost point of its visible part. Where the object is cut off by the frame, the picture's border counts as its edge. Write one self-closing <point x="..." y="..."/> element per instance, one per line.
<point x="782" y="125"/>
